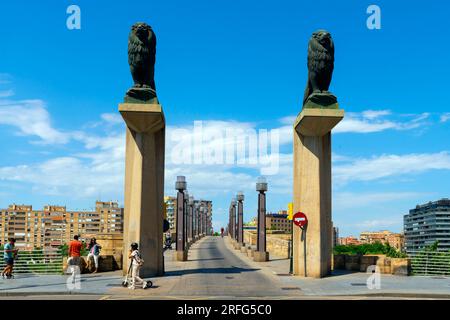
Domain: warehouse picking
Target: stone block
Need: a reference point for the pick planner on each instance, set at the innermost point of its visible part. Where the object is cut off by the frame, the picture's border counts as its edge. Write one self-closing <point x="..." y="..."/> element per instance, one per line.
<point x="339" y="261"/>
<point x="401" y="266"/>
<point x="352" y="262"/>
<point x="181" y="255"/>
<point x="260" y="256"/>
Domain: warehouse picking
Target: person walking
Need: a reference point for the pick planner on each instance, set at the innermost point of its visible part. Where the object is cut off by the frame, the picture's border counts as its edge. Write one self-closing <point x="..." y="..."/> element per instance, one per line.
<point x="94" y="252"/>
<point x="9" y="255"/>
<point x="136" y="263"/>
<point x="74" y="252"/>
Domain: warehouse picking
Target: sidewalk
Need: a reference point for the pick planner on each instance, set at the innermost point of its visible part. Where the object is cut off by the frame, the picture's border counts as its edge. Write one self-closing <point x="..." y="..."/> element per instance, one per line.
<point x="342" y="283"/>
<point x="104" y="283"/>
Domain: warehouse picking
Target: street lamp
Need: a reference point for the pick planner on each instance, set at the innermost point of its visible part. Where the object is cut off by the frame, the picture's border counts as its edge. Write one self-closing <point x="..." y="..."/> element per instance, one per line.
<point x="180" y="186"/>
<point x="191" y="218"/>
<point x="261" y="254"/>
<point x="233" y="218"/>
<point x="186" y="218"/>
<point x="240" y="236"/>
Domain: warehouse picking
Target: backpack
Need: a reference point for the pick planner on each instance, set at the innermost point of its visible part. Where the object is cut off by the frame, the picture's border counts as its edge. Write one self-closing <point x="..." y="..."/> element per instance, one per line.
<point x="139" y="259"/>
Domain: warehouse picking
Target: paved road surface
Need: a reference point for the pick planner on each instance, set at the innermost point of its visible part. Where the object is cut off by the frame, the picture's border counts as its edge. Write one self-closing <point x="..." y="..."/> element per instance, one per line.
<point x="214" y="269"/>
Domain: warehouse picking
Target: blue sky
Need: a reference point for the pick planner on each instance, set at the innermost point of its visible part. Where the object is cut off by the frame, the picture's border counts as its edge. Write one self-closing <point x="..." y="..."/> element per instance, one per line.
<point x="230" y="64"/>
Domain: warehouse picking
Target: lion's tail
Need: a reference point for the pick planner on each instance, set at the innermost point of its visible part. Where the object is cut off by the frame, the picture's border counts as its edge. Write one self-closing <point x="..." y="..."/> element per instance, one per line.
<point x="308" y="92"/>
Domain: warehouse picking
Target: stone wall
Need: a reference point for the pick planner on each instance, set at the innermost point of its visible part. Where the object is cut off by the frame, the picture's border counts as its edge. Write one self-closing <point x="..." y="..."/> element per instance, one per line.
<point x="397" y="266"/>
<point x="276" y="245"/>
<point x="105" y="263"/>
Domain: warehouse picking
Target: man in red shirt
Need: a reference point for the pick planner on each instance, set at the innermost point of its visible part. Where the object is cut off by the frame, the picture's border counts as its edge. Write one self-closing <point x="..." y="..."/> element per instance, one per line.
<point x="74" y="251"/>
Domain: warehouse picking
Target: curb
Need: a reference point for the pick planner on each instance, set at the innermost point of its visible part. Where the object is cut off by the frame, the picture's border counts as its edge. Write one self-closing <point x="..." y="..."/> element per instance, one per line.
<point x="42" y="293"/>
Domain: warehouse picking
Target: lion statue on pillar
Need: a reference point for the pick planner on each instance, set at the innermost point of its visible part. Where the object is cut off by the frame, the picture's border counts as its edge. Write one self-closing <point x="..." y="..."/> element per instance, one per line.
<point x="320" y="69"/>
<point x="141" y="58"/>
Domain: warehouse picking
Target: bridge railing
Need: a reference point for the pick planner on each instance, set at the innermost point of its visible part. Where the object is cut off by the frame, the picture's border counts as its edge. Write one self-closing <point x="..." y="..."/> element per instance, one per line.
<point x="37" y="261"/>
<point x="429" y="263"/>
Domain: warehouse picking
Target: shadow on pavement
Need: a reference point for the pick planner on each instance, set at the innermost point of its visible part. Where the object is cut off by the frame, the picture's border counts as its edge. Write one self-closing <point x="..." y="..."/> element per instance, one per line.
<point x="209" y="270"/>
<point x="207" y="259"/>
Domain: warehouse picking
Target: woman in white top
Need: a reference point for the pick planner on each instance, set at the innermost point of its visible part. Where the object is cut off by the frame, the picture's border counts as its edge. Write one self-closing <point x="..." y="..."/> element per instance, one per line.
<point x="136" y="263"/>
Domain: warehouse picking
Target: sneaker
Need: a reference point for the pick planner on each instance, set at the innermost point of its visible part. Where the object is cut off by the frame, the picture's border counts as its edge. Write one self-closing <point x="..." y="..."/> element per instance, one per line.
<point x="144" y="285"/>
<point x="131" y="287"/>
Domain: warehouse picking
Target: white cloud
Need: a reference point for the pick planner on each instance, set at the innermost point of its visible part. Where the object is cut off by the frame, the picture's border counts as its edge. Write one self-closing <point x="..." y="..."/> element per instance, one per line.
<point x="390" y="165"/>
<point x="112" y="118"/>
<point x="343" y="201"/>
<point x="6" y="93"/>
<point x="373" y="121"/>
<point x="368" y="121"/>
<point x="445" y="117"/>
<point x="31" y="117"/>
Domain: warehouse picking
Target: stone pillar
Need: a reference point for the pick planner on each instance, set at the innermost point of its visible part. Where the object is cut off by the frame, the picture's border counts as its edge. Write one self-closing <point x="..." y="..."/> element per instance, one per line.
<point x="144" y="184"/>
<point x="312" y="190"/>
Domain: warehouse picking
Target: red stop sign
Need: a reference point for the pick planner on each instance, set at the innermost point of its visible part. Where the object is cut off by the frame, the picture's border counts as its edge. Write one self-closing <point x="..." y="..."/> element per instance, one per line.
<point x="300" y="219"/>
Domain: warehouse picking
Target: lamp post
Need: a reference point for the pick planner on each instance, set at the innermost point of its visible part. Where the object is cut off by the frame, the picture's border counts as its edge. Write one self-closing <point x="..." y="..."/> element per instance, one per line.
<point x="229" y="227"/>
<point x="197" y="208"/>
<point x="203" y="220"/>
<point x="191" y="218"/>
<point x="233" y="219"/>
<point x="186" y="219"/>
<point x="180" y="186"/>
<point x="261" y="254"/>
<point x="240" y="235"/>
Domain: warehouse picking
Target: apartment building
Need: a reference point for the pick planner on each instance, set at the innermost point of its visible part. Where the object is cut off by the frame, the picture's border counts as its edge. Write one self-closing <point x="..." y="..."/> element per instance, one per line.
<point x="54" y="225"/>
<point x="278" y="221"/>
<point x="426" y="224"/>
<point x="395" y="240"/>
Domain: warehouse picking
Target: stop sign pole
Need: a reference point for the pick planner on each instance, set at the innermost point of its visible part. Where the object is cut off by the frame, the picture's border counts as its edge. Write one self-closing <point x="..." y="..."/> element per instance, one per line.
<point x="300" y="220"/>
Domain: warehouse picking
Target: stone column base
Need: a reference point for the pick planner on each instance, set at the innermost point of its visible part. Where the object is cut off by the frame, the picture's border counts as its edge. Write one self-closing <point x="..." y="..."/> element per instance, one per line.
<point x="181" y="255"/>
<point x="259" y="256"/>
<point x="244" y="249"/>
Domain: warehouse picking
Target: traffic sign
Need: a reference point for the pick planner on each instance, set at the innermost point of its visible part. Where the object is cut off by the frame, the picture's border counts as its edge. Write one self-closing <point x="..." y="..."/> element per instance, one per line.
<point x="300" y="219"/>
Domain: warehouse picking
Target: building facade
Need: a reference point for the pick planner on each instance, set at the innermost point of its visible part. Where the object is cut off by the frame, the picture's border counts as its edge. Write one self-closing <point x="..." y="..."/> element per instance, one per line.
<point x="278" y="221"/>
<point x="54" y="225"/>
<point x="170" y="208"/>
<point x="426" y="224"/>
<point x="395" y="240"/>
<point x="349" y="241"/>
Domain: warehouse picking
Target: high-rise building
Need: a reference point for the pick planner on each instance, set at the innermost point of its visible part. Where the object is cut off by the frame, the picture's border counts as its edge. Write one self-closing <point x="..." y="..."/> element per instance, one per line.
<point x="426" y="224"/>
<point x="335" y="237"/>
<point x="170" y="204"/>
